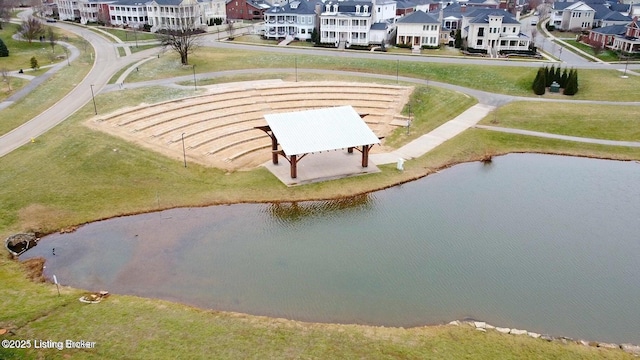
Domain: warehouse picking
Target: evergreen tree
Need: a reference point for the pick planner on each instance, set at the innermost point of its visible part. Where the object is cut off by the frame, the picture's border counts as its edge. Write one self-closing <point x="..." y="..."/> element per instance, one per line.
<point x="557" y="76"/>
<point x="4" y="52"/>
<point x="315" y="37"/>
<point x="539" y="82"/>
<point x="572" y="83"/>
<point x="458" y="39"/>
<point x="34" y="63"/>
<point x="563" y="78"/>
<point x="549" y="74"/>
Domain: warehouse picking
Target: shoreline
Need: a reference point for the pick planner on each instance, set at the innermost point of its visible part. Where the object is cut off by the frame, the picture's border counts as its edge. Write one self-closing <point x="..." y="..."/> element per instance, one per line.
<point x="478" y="325"/>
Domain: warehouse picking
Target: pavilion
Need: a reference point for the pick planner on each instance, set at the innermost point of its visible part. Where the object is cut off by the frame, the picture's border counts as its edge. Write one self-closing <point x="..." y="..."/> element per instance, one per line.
<point x="295" y="135"/>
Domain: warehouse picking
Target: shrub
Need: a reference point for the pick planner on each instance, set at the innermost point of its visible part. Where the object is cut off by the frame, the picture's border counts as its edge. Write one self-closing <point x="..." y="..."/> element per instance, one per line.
<point x="539" y="82"/>
<point x="4" y="52"/>
<point x="34" y="63"/>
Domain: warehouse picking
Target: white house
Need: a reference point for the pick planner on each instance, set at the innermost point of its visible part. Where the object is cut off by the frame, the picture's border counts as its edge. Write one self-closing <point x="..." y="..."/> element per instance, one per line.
<point x="572" y="16"/>
<point x="128" y="12"/>
<point x="493" y="30"/>
<point x="418" y="29"/>
<point x="346" y="23"/>
<point x="175" y="15"/>
<point x="382" y="32"/>
<point x="384" y="10"/>
<point x="297" y="20"/>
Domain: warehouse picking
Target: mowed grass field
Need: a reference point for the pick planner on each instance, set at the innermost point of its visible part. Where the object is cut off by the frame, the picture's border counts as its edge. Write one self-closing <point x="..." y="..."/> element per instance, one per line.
<point x="517" y="81"/>
<point x="73" y="175"/>
<point x="600" y="121"/>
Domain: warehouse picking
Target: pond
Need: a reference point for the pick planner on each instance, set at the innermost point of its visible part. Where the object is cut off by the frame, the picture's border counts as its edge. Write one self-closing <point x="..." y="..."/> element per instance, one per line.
<point x="550" y="244"/>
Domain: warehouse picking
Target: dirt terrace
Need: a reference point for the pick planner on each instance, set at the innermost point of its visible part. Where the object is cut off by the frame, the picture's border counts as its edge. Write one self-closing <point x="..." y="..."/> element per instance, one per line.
<point x="218" y="127"/>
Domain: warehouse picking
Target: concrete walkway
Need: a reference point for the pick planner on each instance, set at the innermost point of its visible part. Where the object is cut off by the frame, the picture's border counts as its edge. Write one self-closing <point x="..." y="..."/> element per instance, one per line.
<point x="431" y="140"/>
<point x="559" y="137"/>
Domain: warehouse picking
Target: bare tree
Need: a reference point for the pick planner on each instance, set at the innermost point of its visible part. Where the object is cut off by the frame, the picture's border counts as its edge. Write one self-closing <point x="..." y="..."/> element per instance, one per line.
<point x="52" y="37"/>
<point x="184" y="42"/>
<point x="597" y="48"/>
<point x="6" y="78"/>
<point x="5" y="11"/>
<point x="31" y="28"/>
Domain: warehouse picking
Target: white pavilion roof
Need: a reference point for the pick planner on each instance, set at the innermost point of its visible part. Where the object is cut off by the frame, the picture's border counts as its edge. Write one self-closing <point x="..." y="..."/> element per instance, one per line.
<point x="310" y="131"/>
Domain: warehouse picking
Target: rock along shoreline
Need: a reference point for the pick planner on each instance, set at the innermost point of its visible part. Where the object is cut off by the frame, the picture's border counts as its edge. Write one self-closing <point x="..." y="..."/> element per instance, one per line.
<point x="483" y="326"/>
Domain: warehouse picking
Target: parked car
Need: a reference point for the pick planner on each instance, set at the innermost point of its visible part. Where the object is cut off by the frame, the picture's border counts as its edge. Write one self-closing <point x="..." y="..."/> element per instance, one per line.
<point x="51" y="20"/>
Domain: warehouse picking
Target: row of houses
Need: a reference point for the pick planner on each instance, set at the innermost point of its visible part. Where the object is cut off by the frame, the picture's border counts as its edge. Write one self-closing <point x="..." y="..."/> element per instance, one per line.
<point x="624" y="38"/>
<point x="589" y="14"/>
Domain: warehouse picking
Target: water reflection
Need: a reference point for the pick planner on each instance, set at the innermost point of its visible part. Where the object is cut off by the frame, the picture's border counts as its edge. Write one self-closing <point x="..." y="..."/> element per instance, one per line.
<point x="295" y="211"/>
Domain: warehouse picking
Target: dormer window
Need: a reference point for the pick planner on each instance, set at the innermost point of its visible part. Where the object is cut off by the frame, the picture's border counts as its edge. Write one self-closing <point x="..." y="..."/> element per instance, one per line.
<point x="327" y="8"/>
<point x="357" y="8"/>
<point x="335" y="8"/>
<point x="366" y="8"/>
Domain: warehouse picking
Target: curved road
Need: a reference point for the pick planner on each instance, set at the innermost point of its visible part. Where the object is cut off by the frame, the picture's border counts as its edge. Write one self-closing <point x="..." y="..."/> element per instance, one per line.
<point x="107" y="63"/>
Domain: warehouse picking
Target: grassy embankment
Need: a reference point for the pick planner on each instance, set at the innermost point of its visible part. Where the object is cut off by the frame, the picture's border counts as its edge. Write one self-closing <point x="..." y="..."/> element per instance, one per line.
<point x="72" y="175"/>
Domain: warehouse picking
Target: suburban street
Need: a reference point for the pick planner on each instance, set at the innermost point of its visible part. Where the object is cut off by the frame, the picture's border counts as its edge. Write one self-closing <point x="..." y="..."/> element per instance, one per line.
<point x="107" y="63"/>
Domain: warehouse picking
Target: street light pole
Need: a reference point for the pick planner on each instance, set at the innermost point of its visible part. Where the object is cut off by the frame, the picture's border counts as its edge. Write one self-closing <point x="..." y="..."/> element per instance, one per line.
<point x="184" y="153"/>
<point x="397" y="71"/>
<point x="296" y="59"/>
<point x="195" y="87"/>
<point x="95" y="109"/>
<point x="66" y="52"/>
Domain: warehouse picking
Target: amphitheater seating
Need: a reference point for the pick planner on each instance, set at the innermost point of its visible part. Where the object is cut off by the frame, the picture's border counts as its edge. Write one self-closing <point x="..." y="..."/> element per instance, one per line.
<point x="218" y="127"/>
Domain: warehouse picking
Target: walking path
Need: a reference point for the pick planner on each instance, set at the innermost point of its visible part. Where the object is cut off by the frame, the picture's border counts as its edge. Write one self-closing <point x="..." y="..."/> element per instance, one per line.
<point x="560" y="137"/>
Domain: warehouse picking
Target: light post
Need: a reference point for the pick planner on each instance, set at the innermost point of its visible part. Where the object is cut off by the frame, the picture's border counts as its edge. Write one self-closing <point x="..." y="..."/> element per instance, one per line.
<point x="135" y="34"/>
<point x="66" y="52"/>
<point x="560" y="56"/>
<point x="626" y="65"/>
<point x="95" y="109"/>
<point x="184" y="152"/>
<point x="195" y="86"/>
<point x="296" y="61"/>
<point x="397" y="71"/>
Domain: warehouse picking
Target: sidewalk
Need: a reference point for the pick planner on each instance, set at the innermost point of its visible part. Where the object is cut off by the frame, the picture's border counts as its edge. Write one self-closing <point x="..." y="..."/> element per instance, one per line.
<point x="430" y="141"/>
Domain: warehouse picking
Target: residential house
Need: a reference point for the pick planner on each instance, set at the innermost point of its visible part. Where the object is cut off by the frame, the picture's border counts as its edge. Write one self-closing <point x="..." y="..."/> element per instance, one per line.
<point x="68" y="9"/>
<point x="175" y="15"/>
<point x="128" y="13"/>
<point x="604" y="16"/>
<point x="493" y="31"/>
<point x="295" y="20"/>
<point x="93" y="11"/>
<point x="382" y="32"/>
<point x="572" y="15"/>
<point x="246" y="9"/>
<point x="418" y="29"/>
<point x="603" y="37"/>
<point x="346" y="23"/>
<point x="405" y="7"/>
<point x="629" y="42"/>
<point x="384" y="10"/>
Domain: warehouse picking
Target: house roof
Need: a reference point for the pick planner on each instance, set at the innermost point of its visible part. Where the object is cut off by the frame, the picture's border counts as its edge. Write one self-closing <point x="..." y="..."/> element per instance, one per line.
<point x="418" y="17"/>
<point x="622" y="8"/>
<point x="310" y="131"/>
<point x="295" y="7"/>
<point x="481" y="16"/>
<point x="405" y="4"/>
<point x="610" y="30"/>
<point x="350" y="6"/>
<point x="379" y="26"/>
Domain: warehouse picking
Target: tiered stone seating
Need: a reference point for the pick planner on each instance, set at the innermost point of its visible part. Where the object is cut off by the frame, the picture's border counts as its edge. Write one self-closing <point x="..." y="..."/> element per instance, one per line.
<point x="218" y="127"/>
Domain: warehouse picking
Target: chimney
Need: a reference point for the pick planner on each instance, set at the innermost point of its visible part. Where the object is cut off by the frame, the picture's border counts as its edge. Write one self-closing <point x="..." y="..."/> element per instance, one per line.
<point x="463" y="8"/>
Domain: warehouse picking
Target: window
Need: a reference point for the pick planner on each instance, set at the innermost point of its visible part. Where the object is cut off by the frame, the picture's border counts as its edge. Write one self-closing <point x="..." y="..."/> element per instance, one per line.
<point x="481" y="32"/>
<point x="479" y="43"/>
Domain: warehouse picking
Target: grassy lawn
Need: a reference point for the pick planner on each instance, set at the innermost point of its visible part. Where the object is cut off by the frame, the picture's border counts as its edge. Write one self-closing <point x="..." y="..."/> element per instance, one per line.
<point x="129" y="35"/>
<point x="11" y="86"/>
<point x="584" y="120"/>
<point x="21" y="52"/>
<point x="594" y="84"/>
<point x="255" y="39"/>
<point x="605" y="55"/>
